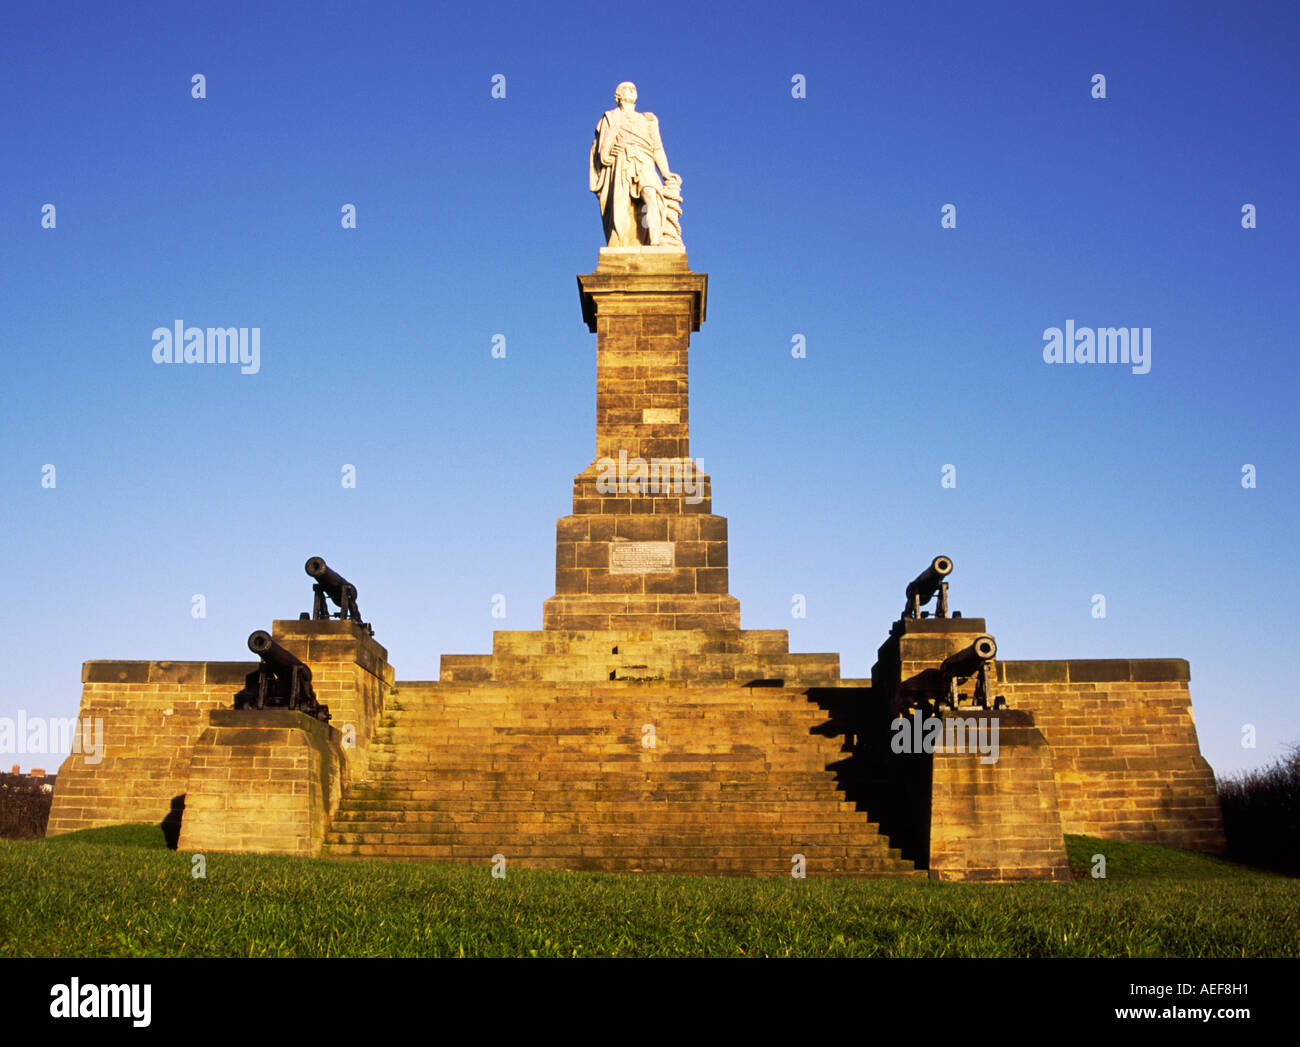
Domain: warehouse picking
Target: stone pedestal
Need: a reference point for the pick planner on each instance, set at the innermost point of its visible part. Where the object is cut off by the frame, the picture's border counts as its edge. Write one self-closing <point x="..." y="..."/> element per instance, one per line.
<point x="994" y="815"/>
<point x="262" y="782"/>
<point x="916" y="646"/>
<point x="350" y="673"/>
<point x="642" y="549"/>
<point x="969" y="792"/>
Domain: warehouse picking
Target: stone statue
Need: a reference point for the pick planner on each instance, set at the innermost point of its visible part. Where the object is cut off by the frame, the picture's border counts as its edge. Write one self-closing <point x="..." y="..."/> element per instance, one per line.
<point x="637" y="208"/>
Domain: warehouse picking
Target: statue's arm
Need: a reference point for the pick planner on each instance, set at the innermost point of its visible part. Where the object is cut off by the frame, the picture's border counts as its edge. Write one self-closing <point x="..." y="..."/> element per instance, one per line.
<point x="606" y="142"/>
<point x="661" y="157"/>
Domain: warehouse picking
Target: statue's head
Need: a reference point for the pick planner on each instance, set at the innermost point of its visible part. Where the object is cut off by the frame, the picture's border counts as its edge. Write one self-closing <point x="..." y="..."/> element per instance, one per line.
<point x="625" y="92"/>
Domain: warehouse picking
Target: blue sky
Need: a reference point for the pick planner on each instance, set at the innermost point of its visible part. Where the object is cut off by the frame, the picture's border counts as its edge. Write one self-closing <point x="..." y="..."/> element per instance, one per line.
<point x="817" y="216"/>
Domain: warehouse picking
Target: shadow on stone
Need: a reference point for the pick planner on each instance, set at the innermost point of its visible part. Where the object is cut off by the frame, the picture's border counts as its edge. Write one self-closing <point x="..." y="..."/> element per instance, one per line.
<point x="171" y="825"/>
<point x="893" y="792"/>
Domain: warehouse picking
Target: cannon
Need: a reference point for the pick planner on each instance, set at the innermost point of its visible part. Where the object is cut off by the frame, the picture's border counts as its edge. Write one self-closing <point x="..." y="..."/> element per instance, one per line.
<point x="333" y="586"/>
<point x="975" y="661"/>
<point x="940" y="685"/>
<point x="281" y="681"/>
<point x="923" y="588"/>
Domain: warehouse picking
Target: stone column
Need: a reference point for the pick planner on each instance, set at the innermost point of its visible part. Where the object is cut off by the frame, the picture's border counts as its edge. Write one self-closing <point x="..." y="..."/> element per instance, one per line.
<point x="642" y="549"/>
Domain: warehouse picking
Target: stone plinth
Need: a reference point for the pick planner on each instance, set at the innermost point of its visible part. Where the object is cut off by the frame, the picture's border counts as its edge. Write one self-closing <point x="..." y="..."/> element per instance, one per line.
<point x="262" y="782"/>
<point x="749" y="657"/>
<point x="916" y="646"/>
<point x="643" y="548"/>
<point x="994" y="819"/>
<point x="350" y="673"/>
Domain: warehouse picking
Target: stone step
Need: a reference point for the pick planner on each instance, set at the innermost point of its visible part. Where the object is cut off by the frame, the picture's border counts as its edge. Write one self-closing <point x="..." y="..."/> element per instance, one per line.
<point x="605" y="717"/>
<point x="603" y="690"/>
<point x="596" y="749"/>
<point x="584" y="822"/>
<point x="762" y="700"/>
<point x="612" y="781"/>
<point x="702" y="640"/>
<point x="712" y="866"/>
<point x="571" y="714"/>
<point x="617" y="757"/>
<point x="666" y="847"/>
<point x="411" y="797"/>
<point x="681" y="810"/>
<point x="775" y="783"/>
<point x="629" y="730"/>
<point x="554" y="775"/>
<point x="466" y="844"/>
<point x="833" y="829"/>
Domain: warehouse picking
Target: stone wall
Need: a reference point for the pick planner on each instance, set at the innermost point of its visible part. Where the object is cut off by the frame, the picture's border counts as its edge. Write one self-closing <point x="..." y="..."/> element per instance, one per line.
<point x="1128" y="761"/>
<point x="152" y="714"/>
<point x="1125" y="757"/>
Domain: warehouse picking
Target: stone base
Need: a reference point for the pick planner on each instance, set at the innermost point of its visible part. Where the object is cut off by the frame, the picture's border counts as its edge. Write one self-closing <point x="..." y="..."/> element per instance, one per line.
<point x="350" y="674"/>
<point x="748" y="656"/>
<point x="643" y="259"/>
<point x="632" y="776"/>
<point x="996" y="821"/>
<point x="650" y="611"/>
<point x="262" y="782"/>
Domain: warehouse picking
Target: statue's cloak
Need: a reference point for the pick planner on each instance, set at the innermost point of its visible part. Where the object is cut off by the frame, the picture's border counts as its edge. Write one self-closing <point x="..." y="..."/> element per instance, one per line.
<point x="617" y="181"/>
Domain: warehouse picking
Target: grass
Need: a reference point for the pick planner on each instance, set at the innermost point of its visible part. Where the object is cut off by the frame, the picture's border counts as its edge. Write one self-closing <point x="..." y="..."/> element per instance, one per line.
<point x="119" y="891"/>
<point x="148" y="836"/>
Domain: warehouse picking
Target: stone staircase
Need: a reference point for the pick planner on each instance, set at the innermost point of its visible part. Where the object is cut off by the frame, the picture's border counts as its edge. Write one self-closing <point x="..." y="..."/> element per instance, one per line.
<point x="556" y="775"/>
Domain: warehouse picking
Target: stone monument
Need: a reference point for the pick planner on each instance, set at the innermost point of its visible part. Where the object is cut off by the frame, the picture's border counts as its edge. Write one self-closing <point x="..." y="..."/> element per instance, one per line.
<point x="642" y="729"/>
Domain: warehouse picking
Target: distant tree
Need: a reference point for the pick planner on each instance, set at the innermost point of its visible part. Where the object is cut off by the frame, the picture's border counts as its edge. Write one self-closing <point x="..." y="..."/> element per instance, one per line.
<point x="24" y="807"/>
<point x="1261" y="815"/>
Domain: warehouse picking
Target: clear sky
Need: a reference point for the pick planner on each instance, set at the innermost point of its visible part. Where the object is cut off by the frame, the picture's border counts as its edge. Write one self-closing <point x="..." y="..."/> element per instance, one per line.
<point x="815" y="216"/>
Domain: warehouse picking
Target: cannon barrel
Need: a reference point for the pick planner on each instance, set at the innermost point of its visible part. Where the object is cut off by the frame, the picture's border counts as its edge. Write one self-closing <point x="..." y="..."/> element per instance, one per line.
<point x="927" y="583"/>
<point x="335" y="584"/>
<point x="261" y="644"/>
<point x="969" y="660"/>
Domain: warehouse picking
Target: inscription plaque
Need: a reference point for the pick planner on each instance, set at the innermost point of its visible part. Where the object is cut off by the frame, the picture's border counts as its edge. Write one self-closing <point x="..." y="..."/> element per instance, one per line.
<point x="640" y="557"/>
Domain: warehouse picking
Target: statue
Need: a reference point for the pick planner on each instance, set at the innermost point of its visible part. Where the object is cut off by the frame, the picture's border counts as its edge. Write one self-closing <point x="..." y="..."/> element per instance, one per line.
<point x="637" y="208"/>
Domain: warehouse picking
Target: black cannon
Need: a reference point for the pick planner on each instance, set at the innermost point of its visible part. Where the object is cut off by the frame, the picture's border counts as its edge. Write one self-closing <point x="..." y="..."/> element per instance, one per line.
<point x="973" y="661"/>
<point x="281" y="681"/>
<point x="332" y="585"/>
<point x="940" y="686"/>
<point x="923" y="588"/>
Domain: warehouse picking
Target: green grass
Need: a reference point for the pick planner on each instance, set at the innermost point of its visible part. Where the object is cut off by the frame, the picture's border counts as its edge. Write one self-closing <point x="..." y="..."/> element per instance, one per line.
<point x="1138" y="861"/>
<point x="118" y="892"/>
<point x="122" y="835"/>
